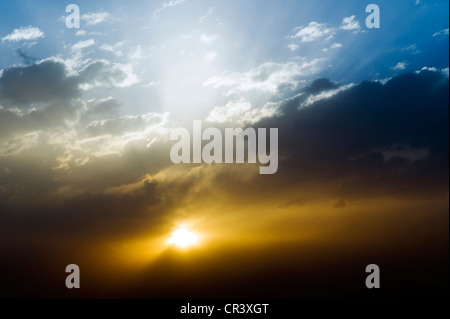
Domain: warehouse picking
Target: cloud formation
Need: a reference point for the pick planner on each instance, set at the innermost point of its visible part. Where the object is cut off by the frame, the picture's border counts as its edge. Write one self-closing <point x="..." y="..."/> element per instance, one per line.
<point x="83" y="44"/>
<point x="166" y="5"/>
<point x="441" y="32"/>
<point x="313" y="31"/>
<point x="350" y="145"/>
<point x="24" y="34"/>
<point x="38" y="83"/>
<point x="268" y="77"/>
<point x="350" y="24"/>
<point x="92" y="19"/>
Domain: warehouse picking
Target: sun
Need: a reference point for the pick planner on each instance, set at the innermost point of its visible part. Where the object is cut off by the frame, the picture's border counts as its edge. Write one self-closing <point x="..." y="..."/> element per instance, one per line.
<point x="183" y="238"/>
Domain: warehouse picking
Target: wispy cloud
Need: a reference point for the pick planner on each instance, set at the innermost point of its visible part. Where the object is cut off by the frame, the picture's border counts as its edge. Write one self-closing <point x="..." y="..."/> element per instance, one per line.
<point x="114" y="49"/>
<point x="166" y="5"/>
<point x="400" y="66"/>
<point x="333" y="46"/>
<point x="24" y="34"/>
<point x="96" y="18"/>
<point x="293" y="47"/>
<point x="83" y="44"/>
<point x="350" y="24"/>
<point x="211" y="56"/>
<point x="151" y="84"/>
<point x="208" y="38"/>
<point x="207" y="15"/>
<point x="241" y="112"/>
<point x="313" y="31"/>
<point x="268" y="77"/>
<point x="441" y="32"/>
<point x="412" y="48"/>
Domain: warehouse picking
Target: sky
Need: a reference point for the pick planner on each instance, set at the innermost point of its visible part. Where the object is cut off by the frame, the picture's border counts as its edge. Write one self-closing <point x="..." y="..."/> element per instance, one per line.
<point x="86" y="177"/>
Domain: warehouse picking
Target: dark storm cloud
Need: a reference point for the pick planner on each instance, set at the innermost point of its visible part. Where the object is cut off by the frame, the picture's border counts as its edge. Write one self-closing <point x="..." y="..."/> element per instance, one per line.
<point x="321" y="85"/>
<point x="348" y="135"/>
<point x="370" y="140"/>
<point x="38" y="83"/>
<point x="49" y="81"/>
<point x="373" y="140"/>
<point x="109" y="211"/>
<point x="46" y="96"/>
<point x="50" y="117"/>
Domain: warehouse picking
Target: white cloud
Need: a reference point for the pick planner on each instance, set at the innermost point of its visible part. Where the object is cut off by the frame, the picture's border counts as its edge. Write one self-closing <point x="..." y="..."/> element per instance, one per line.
<point x="208" y="39"/>
<point x="333" y="47"/>
<point x="137" y="54"/>
<point x="426" y="68"/>
<point x="222" y="114"/>
<point x="205" y="17"/>
<point x="434" y="69"/>
<point x="336" y="46"/>
<point x="83" y="44"/>
<point x="350" y="24"/>
<point x="24" y="34"/>
<point x="115" y="49"/>
<point x="211" y="56"/>
<point x="103" y="73"/>
<point x="400" y="66"/>
<point x="127" y="124"/>
<point x="166" y="5"/>
<point x="293" y="47"/>
<point x="267" y="77"/>
<point x="109" y="137"/>
<point x="412" y="48"/>
<point x="313" y="31"/>
<point x="241" y="112"/>
<point x="441" y="32"/>
<point x="151" y="84"/>
<point x="326" y="95"/>
<point x="80" y="33"/>
<point x="96" y="18"/>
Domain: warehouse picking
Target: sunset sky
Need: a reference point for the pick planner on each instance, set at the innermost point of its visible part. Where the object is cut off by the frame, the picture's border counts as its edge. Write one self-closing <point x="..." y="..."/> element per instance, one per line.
<point x="86" y="176"/>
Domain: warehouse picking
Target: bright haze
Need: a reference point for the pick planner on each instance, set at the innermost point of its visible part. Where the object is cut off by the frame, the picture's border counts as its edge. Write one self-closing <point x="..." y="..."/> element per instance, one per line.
<point x="85" y="170"/>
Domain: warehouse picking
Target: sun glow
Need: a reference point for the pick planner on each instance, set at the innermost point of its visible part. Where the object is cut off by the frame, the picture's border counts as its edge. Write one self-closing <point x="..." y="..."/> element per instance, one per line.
<point x="183" y="238"/>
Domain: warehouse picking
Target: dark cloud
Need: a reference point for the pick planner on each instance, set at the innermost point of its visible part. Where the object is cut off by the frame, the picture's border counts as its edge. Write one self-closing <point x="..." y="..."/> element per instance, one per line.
<point x="48" y="118"/>
<point x="43" y="96"/>
<point x="27" y="59"/>
<point x="39" y="83"/>
<point x="49" y="81"/>
<point x="373" y="141"/>
<point x="370" y="140"/>
<point x="347" y="136"/>
<point x="340" y="204"/>
<point x="321" y="85"/>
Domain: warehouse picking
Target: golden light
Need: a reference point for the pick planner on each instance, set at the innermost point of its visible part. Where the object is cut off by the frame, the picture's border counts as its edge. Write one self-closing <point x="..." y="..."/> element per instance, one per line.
<point x="183" y="238"/>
